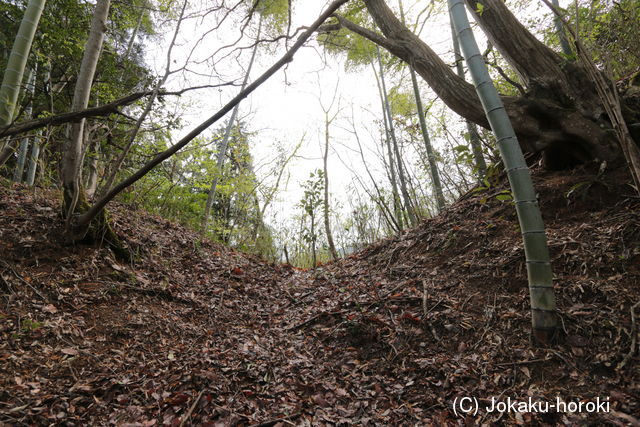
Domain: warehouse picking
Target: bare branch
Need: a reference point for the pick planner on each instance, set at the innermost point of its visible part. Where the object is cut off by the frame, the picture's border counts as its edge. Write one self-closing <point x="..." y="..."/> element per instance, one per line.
<point x="86" y="218"/>
<point x="103" y="110"/>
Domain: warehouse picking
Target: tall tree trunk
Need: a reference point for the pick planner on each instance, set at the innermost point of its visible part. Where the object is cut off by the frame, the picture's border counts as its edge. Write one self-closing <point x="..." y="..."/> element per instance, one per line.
<point x="24" y="144"/>
<point x="543" y="306"/>
<point x="433" y="166"/>
<point x="408" y="205"/>
<point x="117" y="164"/>
<point x="73" y="146"/>
<point x="33" y="159"/>
<point x="327" y="224"/>
<point x="562" y="35"/>
<point x="286" y="254"/>
<point x="224" y="144"/>
<point x="15" y="70"/>
<point x="314" y="257"/>
<point x="397" y="208"/>
<point x="474" y="138"/>
<point x="75" y="204"/>
<point x="431" y="158"/>
<point x="92" y="167"/>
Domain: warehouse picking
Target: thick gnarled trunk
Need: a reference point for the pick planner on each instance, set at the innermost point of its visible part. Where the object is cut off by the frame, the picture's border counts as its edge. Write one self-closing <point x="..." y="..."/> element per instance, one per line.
<point x="560" y="114"/>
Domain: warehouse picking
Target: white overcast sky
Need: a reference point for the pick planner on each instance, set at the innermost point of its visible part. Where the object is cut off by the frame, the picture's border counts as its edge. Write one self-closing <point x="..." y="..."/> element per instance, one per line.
<point x="287" y="106"/>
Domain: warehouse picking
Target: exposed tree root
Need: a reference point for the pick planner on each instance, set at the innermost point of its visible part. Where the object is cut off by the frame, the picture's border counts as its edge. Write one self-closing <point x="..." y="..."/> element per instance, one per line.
<point x="97" y="232"/>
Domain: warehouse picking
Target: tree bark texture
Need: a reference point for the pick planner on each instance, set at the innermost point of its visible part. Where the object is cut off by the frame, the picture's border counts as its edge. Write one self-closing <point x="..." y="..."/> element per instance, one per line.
<point x="560" y="114"/>
<point x="325" y="157"/>
<point x="73" y="146"/>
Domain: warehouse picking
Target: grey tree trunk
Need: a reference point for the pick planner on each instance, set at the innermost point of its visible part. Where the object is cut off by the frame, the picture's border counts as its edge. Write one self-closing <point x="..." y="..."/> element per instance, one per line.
<point x="474" y="138"/>
<point x="433" y="166"/>
<point x="73" y="146"/>
<point x="117" y="164"/>
<point x="431" y="158"/>
<point x="397" y="207"/>
<point x="327" y="224"/>
<point x="408" y="205"/>
<point x="224" y="144"/>
<point x="33" y="159"/>
<point x="14" y="72"/>
<point x="314" y="256"/>
<point x="543" y="305"/>
<point x="92" y="167"/>
<point x="18" y="172"/>
<point x="562" y="35"/>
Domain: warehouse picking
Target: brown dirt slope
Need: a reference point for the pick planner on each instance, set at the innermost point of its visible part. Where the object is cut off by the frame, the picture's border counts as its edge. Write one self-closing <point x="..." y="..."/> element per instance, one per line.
<point x="392" y="335"/>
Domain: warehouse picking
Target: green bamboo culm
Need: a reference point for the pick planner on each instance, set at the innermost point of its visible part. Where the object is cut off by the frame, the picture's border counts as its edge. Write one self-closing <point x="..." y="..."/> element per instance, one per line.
<point x="543" y="305"/>
<point x="18" y="60"/>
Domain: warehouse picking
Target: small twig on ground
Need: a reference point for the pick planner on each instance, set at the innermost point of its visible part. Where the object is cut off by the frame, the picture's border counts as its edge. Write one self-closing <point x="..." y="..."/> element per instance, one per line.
<point x="634" y="336"/>
<point x="425" y="312"/>
<point x="277" y="420"/>
<point x="433" y="308"/>
<point x="524" y="362"/>
<point x="191" y="409"/>
<point x="20" y="278"/>
<point x="629" y="418"/>
<point x="424" y="299"/>
<point x="313" y="319"/>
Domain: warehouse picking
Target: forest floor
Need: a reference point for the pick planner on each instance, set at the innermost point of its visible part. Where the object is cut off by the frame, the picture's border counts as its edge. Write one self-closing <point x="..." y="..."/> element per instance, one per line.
<point x="197" y="334"/>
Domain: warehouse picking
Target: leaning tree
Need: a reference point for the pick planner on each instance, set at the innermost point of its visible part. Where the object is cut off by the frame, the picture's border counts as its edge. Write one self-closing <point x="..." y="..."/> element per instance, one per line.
<point x="560" y="113"/>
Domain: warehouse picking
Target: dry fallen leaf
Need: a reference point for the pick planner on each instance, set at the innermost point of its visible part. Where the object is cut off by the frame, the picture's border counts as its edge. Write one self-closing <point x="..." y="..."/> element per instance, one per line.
<point x="50" y="308"/>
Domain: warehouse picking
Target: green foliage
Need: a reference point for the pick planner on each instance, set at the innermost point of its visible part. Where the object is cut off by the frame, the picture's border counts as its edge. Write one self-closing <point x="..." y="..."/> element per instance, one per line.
<point x="312" y="200"/>
<point x="178" y="189"/>
<point x="359" y="51"/>
<point x="306" y="254"/>
<point x="275" y="13"/>
<point x="402" y="103"/>
<point x="504" y="196"/>
<point x="610" y="30"/>
<point x="28" y="325"/>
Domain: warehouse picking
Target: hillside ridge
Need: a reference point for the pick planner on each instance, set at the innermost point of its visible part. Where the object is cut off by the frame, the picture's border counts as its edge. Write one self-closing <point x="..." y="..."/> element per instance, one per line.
<point x="201" y="334"/>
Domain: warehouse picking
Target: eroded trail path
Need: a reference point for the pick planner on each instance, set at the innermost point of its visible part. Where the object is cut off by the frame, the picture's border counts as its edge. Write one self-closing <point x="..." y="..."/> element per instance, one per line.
<point x="390" y="335"/>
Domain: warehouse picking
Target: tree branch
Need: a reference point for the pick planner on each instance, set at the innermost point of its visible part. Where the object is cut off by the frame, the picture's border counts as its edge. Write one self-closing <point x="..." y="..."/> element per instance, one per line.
<point x="459" y="95"/>
<point x="86" y="218"/>
<point x="534" y="62"/>
<point x="103" y="110"/>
